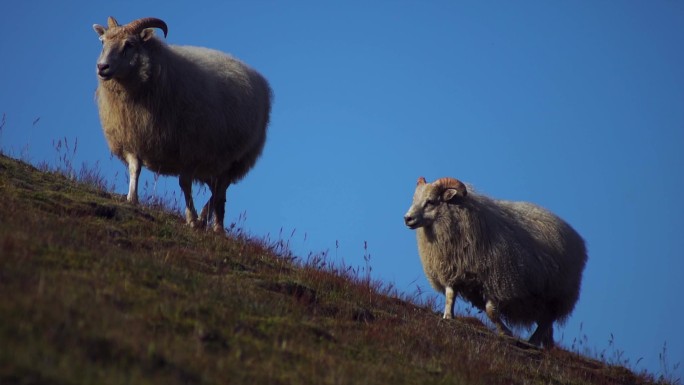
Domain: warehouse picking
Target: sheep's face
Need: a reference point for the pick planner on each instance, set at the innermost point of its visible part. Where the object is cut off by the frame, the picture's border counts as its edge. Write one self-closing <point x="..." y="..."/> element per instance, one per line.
<point x="121" y="51"/>
<point x="431" y="199"/>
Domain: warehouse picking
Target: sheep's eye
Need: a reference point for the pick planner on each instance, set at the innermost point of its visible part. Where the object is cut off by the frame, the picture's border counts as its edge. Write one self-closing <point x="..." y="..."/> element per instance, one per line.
<point x="127" y="45"/>
<point x="430" y="202"/>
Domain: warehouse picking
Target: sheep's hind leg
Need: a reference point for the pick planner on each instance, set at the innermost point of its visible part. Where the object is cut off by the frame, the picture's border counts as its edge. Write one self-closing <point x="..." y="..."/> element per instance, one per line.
<point x="214" y="209"/>
<point x="185" y="181"/>
<point x="204" y="218"/>
<point x="494" y="316"/>
<point x="204" y="214"/>
<point x="543" y="336"/>
<point x="218" y="199"/>
<point x="449" y="302"/>
<point x="133" y="176"/>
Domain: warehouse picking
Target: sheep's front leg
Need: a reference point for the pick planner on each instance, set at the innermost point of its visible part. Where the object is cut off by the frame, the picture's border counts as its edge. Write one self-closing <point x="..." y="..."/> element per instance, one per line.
<point x="494" y="316"/>
<point x="449" y="302"/>
<point x="185" y="181"/>
<point x="133" y="176"/>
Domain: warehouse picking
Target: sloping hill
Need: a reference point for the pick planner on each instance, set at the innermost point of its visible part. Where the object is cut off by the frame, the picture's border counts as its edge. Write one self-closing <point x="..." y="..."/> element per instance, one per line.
<point x="96" y="291"/>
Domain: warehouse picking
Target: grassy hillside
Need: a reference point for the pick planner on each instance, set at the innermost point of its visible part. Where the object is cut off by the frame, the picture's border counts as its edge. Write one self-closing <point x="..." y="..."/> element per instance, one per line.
<point x="96" y="291"/>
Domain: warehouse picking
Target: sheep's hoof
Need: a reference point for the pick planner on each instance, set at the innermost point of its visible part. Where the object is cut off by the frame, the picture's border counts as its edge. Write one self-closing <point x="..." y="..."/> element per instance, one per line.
<point x="194" y="224"/>
<point x="447" y="316"/>
<point x="542" y="343"/>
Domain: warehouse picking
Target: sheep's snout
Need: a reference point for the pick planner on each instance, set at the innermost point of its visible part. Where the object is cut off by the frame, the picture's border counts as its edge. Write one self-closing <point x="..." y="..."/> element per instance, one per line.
<point x="411" y="221"/>
<point x="104" y="71"/>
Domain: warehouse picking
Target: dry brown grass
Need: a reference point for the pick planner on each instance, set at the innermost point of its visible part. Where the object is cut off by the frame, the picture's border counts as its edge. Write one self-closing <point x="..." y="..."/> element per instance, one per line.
<point x="98" y="291"/>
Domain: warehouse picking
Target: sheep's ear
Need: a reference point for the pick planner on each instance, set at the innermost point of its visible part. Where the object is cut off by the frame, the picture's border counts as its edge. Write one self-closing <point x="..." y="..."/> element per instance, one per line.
<point x="452" y="193"/>
<point x="99" y="29"/>
<point x="147" y="34"/>
<point x="111" y="22"/>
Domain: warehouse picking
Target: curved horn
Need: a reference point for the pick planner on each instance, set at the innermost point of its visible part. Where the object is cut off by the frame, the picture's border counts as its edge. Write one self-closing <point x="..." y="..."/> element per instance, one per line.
<point x="421" y="180"/>
<point x="136" y="26"/>
<point x="111" y="22"/>
<point x="446" y="183"/>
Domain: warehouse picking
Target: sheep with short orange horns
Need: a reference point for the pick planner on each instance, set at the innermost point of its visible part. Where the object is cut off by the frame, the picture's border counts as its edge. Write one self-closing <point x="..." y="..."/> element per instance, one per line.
<point x="180" y="110"/>
<point x="516" y="261"/>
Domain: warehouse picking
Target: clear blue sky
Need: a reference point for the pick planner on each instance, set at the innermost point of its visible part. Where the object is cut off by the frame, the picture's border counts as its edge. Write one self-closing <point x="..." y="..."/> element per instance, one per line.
<point x="575" y="105"/>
